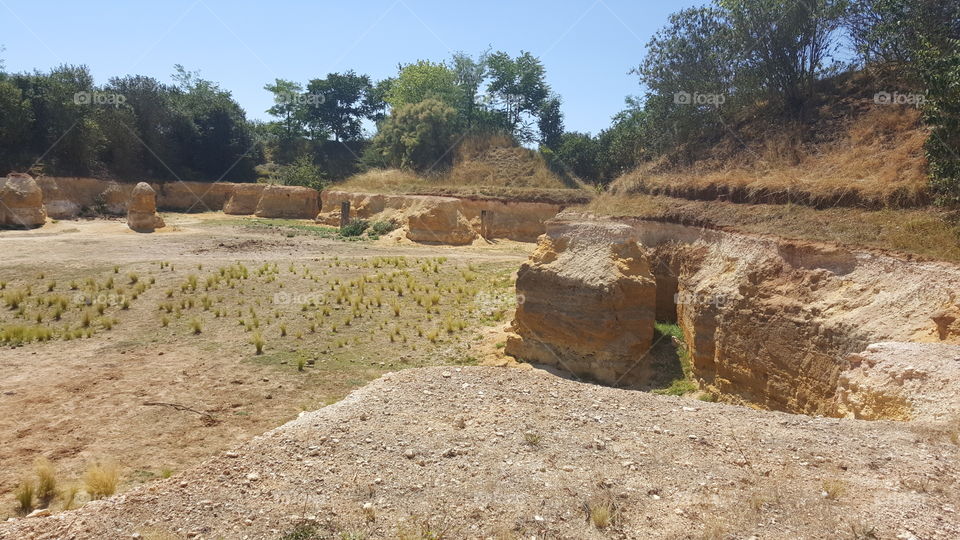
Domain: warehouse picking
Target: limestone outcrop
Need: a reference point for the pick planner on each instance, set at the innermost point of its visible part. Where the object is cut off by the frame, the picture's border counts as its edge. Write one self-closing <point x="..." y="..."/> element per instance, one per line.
<point x="243" y="199"/>
<point x="443" y="219"/>
<point x="142" y="213"/>
<point x="21" y="202"/>
<point x="440" y="222"/>
<point x="288" y="202"/>
<point x="772" y="323"/>
<point x="586" y="303"/>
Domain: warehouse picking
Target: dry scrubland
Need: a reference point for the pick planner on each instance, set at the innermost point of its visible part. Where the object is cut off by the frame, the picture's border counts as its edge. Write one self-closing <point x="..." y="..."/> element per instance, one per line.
<point x="142" y="355"/>
<point x="487" y="167"/>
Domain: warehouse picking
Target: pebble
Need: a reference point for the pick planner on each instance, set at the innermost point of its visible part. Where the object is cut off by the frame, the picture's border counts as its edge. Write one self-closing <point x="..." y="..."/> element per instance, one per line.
<point x="253" y="477"/>
<point x="446" y="374"/>
<point x="232" y="454"/>
<point x="408" y="453"/>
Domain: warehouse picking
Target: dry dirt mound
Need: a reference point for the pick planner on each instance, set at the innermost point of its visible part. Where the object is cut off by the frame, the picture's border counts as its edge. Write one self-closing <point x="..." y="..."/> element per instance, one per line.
<point x="506" y="453"/>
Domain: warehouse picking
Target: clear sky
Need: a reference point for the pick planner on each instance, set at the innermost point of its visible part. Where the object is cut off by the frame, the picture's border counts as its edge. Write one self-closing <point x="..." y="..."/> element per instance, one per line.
<point x="587" y="46"/>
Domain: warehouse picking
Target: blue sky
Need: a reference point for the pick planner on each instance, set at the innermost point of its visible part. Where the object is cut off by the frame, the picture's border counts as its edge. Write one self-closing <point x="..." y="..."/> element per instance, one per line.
<point x="587" y="46"/>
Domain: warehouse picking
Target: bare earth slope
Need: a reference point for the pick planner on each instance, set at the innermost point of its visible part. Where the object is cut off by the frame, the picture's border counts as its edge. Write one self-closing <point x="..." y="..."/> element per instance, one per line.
<point x="508" y="453"/>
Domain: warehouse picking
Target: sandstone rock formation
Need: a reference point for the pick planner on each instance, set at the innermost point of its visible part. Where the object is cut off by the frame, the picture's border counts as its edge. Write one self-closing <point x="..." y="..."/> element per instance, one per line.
<point x="288" y="202"/>
<point x="142" y="213"/>
<point x="243" y="199"/>
<point x="767" y="322"/>
<point x="588" y="303"/>
<point x="193" y="196"/>
<point x="113" y="200"/>
<point x="442" y="223"/>
<point x="21" y="202"/>
<point x="445" y="219"/>
<point x="901" y="381"/>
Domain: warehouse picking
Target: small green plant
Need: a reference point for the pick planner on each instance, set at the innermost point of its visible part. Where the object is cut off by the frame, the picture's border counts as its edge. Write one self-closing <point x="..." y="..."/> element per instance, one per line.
<point x="602" y="511"/>
<point x="196" y="325"/>
<point x="355" y="228"/>
<point x="380" y="228"/>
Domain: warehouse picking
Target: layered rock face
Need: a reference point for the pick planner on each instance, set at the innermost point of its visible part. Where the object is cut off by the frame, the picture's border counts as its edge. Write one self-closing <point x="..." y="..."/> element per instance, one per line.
<point x="440" y="222"/>
<point x="586" y="303"/>
<point x="142" y="213"/>
<point x="243" y="199"/>
<point x="68" y="197"/>
<point x="773" y="323"/>
<point x="450" y="220"/>
<point x="290" y="202"/>
<point x="21" y="202"/>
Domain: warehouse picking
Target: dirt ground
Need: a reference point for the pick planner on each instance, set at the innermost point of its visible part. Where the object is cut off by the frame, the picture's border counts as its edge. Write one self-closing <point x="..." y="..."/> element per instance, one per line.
<point x="125" y="379"/>
<point x="484" y="452"/>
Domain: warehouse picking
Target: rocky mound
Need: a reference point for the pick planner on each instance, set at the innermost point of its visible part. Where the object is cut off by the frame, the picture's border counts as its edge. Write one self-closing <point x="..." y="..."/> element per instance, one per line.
<point x="142" y="213"/>
<point x="507" y="453"/>
<point x="21" y="202"/>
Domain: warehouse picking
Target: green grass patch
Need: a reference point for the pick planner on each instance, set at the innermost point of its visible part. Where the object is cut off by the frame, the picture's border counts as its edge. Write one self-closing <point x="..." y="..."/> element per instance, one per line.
<point x="683" y="385"/>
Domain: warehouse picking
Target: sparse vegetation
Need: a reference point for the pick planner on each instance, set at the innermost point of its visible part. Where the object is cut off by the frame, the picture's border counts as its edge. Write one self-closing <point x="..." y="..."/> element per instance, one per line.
<point x="101" y="480"/>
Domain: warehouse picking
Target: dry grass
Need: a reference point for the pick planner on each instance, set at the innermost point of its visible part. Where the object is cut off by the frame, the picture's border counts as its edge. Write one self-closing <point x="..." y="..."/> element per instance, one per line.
<point x="875" y="160"/>
<point x="101" y="480"/>
<point x="931" y="233"/>
<point x="602" y="511"/>
<point x="484" y="167"/>
<point x="24" y="495"/>
<point x="46" y="481"/>
<point x="833" y="489"/>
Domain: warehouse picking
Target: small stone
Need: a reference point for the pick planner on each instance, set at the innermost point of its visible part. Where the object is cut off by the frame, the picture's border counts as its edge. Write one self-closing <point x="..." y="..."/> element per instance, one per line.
<point x="446" y="374"/>
<point x="253" y="477"/>
<point x="41" y="512"/>
<point x="232" y="454"/>
<point x="409" y="454"/>
<point x="567" y="468"/>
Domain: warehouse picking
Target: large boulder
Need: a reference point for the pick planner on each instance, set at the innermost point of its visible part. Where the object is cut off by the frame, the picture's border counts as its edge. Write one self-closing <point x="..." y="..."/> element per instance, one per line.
<point x="289" y="202"/>
<point x="586" y="304"/>
<point x="21" y="202"/>
<point x="243" y="199"/>
<point x="142" y="213"/>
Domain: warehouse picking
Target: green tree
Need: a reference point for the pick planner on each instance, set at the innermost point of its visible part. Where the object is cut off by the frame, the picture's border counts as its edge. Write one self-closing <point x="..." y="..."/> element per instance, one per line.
<point x="286" y="106"/>
<point x="424" y="80"/>
<point x="784" y="45"/>
<point x="338" y="105"/>
<point x="551" y="123"/>
<point x="519" y="87"/>
<point x="417" y="136"/>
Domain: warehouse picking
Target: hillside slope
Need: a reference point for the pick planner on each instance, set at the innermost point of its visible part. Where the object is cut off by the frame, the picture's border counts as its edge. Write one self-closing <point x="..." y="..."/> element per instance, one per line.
<point x="508" y="453"/>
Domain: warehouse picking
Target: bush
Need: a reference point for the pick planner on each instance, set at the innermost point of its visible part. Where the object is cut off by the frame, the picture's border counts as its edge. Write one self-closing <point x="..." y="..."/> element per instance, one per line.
<point x="101" y="480"/>
<point x="355" y="228"/>
<point x="381" y="228"/>
<point x="418" y="136"/>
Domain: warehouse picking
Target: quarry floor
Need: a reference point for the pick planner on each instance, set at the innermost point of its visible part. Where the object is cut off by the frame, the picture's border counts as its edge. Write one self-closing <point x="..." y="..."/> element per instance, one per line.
<point x="82" y="401"/>
<point x="450" y="450"/>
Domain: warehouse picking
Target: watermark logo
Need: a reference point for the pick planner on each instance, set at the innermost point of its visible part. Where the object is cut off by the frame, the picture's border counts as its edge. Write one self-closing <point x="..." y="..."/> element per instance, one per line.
<point x="99" y="98"/>
<point x="286" y="299"/>
<point x="897" y="98"/>
<point x="696" y="98"/>
<point x="300" y="99"/>
<point x="694" y="299"/>
<point x="490" y="302"/>
<point x="102" y="298"/>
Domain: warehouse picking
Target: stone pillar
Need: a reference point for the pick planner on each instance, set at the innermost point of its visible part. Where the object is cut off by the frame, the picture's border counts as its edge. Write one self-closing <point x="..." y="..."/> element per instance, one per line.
<point x="344" y="214"/>
<point x="484" y="233"/>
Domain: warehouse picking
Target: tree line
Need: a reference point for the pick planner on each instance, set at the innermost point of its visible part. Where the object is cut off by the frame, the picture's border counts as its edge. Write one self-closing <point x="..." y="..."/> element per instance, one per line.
<point x="711" y="67"/>
<point x="707" y="68"/>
